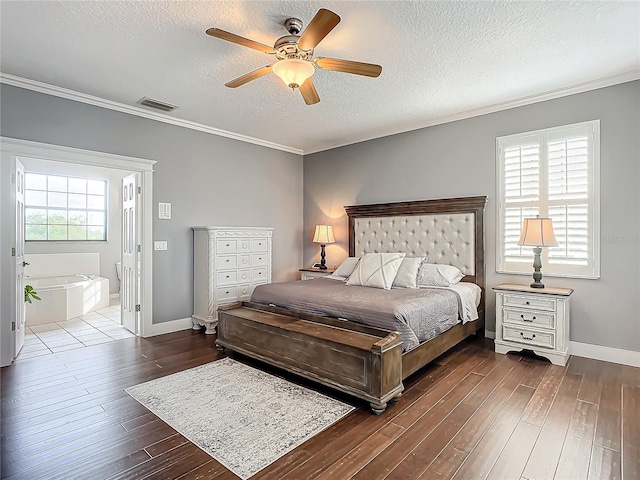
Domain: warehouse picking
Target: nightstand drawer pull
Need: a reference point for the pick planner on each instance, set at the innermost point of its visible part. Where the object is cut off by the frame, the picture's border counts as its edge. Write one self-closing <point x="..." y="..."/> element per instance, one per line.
<point x="533" y="335"/>
<point x="527" y="319"/>
<point x="527" y="302"/>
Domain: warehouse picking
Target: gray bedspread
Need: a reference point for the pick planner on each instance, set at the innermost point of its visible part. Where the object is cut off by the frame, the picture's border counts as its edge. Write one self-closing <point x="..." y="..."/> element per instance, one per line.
<point x="418" y="314"/>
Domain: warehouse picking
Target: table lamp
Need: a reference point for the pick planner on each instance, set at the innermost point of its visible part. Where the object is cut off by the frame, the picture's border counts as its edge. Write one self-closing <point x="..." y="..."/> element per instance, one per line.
<point x="537" y="232"/>
<point x="323" y="235"/>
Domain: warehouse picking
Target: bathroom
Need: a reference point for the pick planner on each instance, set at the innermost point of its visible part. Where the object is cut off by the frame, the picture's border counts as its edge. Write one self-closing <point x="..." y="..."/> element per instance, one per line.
<point x="72" y="254"/>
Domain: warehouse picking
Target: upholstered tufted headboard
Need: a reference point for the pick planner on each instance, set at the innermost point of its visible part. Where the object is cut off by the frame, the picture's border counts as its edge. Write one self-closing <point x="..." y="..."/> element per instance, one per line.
<point x="449" y="231"/>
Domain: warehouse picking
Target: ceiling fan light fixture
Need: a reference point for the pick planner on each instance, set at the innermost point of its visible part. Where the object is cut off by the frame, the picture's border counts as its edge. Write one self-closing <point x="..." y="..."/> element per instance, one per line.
<point x="293" y="71"/>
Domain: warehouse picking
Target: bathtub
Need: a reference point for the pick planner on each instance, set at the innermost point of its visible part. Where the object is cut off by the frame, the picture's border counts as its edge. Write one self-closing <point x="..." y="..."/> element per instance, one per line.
<point x="65" y="297"/>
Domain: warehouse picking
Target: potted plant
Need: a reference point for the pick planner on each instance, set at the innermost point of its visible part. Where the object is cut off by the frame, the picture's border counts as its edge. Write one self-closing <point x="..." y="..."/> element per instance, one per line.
<point x="30" y="294"/>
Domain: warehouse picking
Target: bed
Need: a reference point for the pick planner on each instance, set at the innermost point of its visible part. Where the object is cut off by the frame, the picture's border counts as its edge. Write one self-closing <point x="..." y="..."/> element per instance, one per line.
<point x="359" y="359"/>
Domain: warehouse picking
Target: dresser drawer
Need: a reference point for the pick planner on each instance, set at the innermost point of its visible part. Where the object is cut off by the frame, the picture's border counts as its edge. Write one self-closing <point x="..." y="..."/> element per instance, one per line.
<point x="244" y="276"/>
<point x="227" y="293"/>
<point x="259" y="245"/>
<point x="528" y="337"/>
<point x="227" y="277"/>
<point x="244" y="291"/>
<point x="523" y="316"/>
<point x="227" y="261"/>
<point x="259" y="259"/>
<point x="535" y="303"/>
<point x="259" y="274"/>
<point x="224" y="245"/>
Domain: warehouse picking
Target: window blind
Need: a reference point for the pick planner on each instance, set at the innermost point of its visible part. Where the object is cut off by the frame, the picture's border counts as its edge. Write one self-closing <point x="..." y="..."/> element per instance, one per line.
<point x="550" y="173"/>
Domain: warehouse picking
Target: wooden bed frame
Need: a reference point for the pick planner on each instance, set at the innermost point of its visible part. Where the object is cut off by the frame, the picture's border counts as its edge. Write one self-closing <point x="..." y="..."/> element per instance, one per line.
<point x="362" y="361"/>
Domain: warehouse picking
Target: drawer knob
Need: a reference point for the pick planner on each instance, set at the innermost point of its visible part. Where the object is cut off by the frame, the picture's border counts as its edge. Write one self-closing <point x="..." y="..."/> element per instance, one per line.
<point x="259" y="273"/>
<point x="533" y="335"/>
<point x="527" y="302"/>
<point x="227" y="292"/>
<point x="228" y="244"/>
<point x="227" y="276"/>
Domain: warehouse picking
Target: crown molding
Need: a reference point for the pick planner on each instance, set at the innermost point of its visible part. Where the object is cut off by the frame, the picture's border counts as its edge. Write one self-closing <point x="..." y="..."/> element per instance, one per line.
<point x="497" y="107"/>
<point x="137" y="111"/>
<point x="160" y="117"/>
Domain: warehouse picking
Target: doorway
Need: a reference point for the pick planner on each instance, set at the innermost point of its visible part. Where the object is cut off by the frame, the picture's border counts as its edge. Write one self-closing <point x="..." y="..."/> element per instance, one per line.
<point x="12" y="152"/>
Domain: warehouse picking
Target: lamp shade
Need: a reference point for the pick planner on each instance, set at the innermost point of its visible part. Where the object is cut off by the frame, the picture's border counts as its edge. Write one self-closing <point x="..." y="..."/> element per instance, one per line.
<point x="293" y="71"/>
<point x="324" y="234"/>
<point x="537" y="232"/>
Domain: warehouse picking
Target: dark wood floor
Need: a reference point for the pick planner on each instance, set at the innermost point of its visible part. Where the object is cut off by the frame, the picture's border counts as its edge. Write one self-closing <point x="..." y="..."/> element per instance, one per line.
<point x="470" y="414"/>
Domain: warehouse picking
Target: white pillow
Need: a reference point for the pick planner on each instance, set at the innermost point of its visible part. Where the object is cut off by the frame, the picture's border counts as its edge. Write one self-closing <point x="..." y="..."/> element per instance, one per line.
<point x="437" y="275"/>
<point x="407" y="276"/>
<point x="376" y="270"/>
<point x="346" y="267"/>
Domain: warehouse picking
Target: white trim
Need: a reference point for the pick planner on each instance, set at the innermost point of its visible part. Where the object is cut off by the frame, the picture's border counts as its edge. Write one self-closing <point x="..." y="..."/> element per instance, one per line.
<point x="168" y="327"/>
<point x="61" y="153"/>
<point x="489" y="334"/>
<point x="497" y="107"/>
<point x="607" y="354"/>
<point x="114" y="295"/>
<point x="137" y="111"/>
<point x="24" y="148"/>
<point x="160" y="117"/>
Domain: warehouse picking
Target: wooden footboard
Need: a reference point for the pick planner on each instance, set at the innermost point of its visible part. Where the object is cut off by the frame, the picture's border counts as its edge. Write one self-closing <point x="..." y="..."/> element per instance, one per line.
<point x="362" y="361"/>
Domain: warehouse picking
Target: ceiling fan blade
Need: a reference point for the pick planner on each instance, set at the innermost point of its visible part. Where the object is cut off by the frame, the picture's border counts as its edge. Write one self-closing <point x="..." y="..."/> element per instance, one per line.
<point x="249" y="76"/>
<point x="245" y="42"/>
<point x="349" y="66"/>
<point x="309" y="93"/>
<point x="324" y="21"/>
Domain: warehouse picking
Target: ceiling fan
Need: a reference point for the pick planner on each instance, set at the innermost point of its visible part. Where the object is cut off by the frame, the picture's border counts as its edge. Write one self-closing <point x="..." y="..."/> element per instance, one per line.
<point x="294" y="52"/>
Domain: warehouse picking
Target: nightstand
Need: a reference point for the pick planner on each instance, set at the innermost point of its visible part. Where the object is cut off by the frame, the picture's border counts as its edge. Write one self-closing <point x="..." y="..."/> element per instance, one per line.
<point x="310" y="273"/>
<point x="534" y="319"/>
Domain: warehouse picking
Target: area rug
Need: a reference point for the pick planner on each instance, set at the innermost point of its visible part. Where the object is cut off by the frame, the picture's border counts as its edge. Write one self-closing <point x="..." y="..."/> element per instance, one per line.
<point x="244" y="418"/>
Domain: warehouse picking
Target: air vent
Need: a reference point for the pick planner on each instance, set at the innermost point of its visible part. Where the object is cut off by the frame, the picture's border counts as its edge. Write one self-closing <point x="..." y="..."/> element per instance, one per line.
<point x="157" y="104"/>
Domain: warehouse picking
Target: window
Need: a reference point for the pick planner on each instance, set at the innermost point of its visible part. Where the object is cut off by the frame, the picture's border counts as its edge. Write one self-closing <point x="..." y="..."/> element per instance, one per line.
<point x="552" y="173"/>
<point x="64" y="208"/>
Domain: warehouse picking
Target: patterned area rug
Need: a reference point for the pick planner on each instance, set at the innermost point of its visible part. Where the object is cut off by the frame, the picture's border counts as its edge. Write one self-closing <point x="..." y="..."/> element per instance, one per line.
<point x="244" y="418"/>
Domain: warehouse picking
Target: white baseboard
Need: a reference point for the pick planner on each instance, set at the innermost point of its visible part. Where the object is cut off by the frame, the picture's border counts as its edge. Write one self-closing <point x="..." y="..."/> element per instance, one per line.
<point x="607" y="354"/>
<point x="596" y="352"/>
<point x="168" y="327"/>
<point x="114" y="295"/>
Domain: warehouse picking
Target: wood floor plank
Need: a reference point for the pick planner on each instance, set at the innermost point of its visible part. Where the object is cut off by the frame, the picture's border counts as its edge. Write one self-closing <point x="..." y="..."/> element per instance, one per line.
<point x="481" y="459"/>
<point x="66" y="416"/>
<point x="390" y="457"/>
<point x="544" y="458"/>
<point x="604" y="464"/>
<point x="448" y="461"/>
<point x="348" y="465"/>
<point x="608" y="426"/>
<point x="538" y="408"/>
<point x="576" y="451"/>
<point x="631" y="432"/>
<point x="513" y="458"/>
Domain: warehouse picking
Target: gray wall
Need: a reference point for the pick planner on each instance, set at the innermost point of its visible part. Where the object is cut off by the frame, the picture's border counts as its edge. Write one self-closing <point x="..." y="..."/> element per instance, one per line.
<point x="209" y="180"/>
<point x="110" y="250"/>
<point x="458" y="159"/>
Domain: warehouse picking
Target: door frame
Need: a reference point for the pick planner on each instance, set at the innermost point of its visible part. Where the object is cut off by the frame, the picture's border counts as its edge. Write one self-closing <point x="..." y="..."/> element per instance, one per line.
<point x="23" y="148"/>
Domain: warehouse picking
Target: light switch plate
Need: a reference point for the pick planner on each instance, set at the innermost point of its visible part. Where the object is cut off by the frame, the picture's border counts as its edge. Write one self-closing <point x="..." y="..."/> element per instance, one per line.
<point x="164" y="211"/>
<point x="162" y="245"/>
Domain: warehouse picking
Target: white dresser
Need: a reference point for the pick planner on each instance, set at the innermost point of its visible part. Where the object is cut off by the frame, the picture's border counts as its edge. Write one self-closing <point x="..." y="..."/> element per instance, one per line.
<point x="535" y="319"/>
<point x="228" y="263"/>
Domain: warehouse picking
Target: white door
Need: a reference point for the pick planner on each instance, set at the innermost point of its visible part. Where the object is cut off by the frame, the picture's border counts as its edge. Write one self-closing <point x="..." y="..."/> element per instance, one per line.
<point x="20" y="307"/>
<point x="130" y="280"/>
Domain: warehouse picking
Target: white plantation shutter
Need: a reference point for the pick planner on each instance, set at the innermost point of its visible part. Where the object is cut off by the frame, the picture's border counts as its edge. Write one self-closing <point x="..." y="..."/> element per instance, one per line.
<point x="551" y="173"/>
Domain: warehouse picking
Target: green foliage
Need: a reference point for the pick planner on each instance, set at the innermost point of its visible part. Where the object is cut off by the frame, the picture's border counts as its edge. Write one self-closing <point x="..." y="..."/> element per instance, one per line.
<point x="30" y="293"/>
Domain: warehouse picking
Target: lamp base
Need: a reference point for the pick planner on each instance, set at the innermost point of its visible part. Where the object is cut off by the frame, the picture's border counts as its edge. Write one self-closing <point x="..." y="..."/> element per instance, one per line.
<point x="323" y="265"/>
<point x="537" y="265"/>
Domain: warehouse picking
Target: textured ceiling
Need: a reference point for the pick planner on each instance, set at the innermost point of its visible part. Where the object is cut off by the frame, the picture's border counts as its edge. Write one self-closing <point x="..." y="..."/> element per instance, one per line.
<point x="439" y="58"/>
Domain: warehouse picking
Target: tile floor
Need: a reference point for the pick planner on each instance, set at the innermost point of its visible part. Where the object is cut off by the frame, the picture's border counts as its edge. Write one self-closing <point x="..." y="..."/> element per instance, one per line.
<point x="101" y="326"/>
